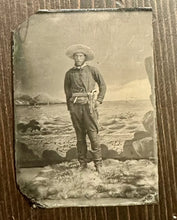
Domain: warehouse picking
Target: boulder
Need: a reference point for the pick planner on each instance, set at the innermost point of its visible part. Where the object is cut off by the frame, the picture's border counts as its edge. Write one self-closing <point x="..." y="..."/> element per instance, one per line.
<point x="71" y="154"/>
<point x="128" y="150"/>
<point x="140" y="134"/>
<point x="112" y="154"/>
<point x="108" y="154"/>
<point x="138" y="149"/>
<point x="148" y="122"/>
<point x="104" y="151"/>
<point x="51" y="157"/>
<point x="33" y="125"/>
<point x="25" y="157"/>
<point x="144" y="147"/>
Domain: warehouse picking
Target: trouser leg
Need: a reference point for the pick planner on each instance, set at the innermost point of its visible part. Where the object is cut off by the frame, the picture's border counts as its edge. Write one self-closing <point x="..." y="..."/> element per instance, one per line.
<point x="91" y="124"/>
<point x="82" y="148"/>
<point x="95" y="146"/>
<point x="77" y="120"/>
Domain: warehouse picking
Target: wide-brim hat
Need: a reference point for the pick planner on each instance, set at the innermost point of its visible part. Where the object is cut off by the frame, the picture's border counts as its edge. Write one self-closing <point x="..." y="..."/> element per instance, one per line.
<point x="79" y="48"/>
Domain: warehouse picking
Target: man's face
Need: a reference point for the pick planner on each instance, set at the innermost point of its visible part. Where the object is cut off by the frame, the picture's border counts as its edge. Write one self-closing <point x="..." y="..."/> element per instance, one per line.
<point x="79" y="59"/>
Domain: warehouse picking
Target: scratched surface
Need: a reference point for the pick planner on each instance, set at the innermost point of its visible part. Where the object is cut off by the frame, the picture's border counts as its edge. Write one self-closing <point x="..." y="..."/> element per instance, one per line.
<point x="13" y="205"/>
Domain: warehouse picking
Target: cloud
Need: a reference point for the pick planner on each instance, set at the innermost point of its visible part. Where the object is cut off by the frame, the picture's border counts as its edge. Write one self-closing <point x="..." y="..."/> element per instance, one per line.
<point x="137" y="89"/>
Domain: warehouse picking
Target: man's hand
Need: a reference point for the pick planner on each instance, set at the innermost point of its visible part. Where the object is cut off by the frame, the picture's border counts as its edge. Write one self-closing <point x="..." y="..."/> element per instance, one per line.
<point x="97" y="103"/>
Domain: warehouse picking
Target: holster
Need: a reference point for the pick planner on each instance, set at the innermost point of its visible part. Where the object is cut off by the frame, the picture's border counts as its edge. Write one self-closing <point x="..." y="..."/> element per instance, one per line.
<point x="84" y="98"/>
<point x="91" y="96"/>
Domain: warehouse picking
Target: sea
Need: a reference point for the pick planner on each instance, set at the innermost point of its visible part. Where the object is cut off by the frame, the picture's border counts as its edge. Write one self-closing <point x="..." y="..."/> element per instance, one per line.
<point x="106" y="110"/>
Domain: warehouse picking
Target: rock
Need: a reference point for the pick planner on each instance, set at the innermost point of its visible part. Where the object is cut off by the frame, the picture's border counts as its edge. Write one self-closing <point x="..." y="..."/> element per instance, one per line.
<point x="22" y="127"/>
<point x="108" y="154"/>
<point x="71" y="154"/>
<point x="32" y="125"/>
<point x="104" y="151"/>
<point x="25" y="157"/>
<point x="51" y="157"/>
<point x="148" y="122"/>
<point x="129" y="151"/>
<point x="112" y="154"/>
<point x="144" y="147"/>
<point x="140" y="134"/>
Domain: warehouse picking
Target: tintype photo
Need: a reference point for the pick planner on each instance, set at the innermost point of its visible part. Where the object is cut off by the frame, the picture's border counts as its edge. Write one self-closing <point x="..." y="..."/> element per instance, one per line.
<point x="84" y="105"/>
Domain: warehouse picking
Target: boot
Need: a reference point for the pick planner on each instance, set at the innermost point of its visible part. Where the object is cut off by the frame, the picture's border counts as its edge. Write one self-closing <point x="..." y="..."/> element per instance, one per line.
<point x="98" y="166"/>
<point x="83" y="166"/>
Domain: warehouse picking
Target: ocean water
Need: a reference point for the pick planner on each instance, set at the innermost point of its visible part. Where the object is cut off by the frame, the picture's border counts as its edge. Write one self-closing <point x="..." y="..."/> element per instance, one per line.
<point x="118" y="121"/>
<point x="107" y="110"/>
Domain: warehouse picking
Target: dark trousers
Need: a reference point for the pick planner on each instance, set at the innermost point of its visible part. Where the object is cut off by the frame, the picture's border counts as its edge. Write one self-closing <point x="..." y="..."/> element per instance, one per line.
<point x="86" y="123"/>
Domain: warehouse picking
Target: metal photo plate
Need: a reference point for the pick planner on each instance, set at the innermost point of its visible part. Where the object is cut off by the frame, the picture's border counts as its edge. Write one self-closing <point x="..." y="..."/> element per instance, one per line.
<point x="84" y="104"/>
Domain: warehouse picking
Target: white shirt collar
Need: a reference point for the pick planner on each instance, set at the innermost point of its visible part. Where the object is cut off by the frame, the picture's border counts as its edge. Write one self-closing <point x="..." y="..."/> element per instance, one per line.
<point x="80" y="67"/>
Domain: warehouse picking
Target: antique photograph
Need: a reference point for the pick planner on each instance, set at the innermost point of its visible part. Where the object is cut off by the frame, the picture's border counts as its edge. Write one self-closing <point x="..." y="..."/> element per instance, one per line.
<point x="84" y="106"/>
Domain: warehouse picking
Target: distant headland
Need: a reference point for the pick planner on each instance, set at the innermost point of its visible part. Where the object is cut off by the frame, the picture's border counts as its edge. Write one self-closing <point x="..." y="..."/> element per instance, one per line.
<point x="40" y="99"/>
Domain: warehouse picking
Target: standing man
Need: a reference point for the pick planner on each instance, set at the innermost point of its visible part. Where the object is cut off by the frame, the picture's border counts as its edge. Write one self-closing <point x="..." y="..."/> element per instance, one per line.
<point x="79" y="88"/>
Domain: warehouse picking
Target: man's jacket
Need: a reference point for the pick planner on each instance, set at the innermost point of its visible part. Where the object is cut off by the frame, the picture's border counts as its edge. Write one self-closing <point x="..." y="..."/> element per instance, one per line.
<point x="83" y="80"/>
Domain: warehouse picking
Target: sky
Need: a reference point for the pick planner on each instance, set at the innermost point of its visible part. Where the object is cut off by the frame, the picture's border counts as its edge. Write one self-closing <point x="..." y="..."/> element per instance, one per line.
<point x="120" y="40"/>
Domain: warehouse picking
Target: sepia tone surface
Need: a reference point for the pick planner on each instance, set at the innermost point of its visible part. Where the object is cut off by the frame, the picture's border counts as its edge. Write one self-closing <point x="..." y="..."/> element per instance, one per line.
<point x="13" y="204"/>
<point x="47" y="162"/>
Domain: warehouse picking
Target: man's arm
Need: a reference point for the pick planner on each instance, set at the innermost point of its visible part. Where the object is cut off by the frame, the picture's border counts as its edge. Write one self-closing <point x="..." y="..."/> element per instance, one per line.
<point x="101" y="84"/>
<point x="67" y="89"/>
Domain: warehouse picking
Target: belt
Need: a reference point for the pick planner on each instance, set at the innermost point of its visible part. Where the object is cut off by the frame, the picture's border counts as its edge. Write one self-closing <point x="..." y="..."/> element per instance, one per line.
<point x="80" y="94"/>
<point x="83" y="98"/>
<point x="79" y="98"/>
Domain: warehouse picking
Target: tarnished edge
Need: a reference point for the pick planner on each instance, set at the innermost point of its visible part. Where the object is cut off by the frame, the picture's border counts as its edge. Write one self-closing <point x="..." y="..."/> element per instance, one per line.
<point x="32" y="202"/>
<point x="95" y="10"/>
<point x="46" y="11"/>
